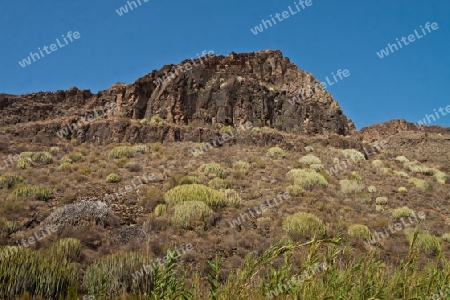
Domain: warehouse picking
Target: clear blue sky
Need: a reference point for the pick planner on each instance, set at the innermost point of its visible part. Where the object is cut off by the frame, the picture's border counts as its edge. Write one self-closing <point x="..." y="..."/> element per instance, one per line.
<point x="322" y="38"/>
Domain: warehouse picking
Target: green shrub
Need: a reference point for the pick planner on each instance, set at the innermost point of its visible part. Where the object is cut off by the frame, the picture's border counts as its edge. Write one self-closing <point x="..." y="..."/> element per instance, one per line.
<point x="305" y="224"/>
<point x="24" y="163"/>
<point x="353" y="154"/>
<point x="9" y="180"/>
<point x="75" y="157"/>
<point x="155" y="147"/>
<point x="141" y="149"/>
<point x="43" y="194"/>
<point x="241" y="165"/>
<point x="228" y="129"/>
<point x="189" y="214"/>
<point x="276" y="152"/>
<point x="415" y="167"/>
<point x="351" y="186"/>
<point x="310" y="159"/>
<point x="194" y="192"/>
<point x="306" y="178"/>
<point x="144" y="122"/>
<point x="309" y="149"/>
<point x="377" y="163"/>
<point x="446" y="237"/>
<point x="354" y="176"/>
<point x="256" y="129"/>
<point x="122" y="151"/>
<point x="189" y="180"/>
<point x="54" y="150"/>
<point x="160" y="209"/>
<point x="25" y="270"/>
<point x="372" y="189"/>
<point x="114" y="274"/>
<point x="64" y="167"/>
<point x="113" y="178"/>
<point x="66" y="160"/>
<point x="402" y="159"/>
<point x="219" y="183"/>
<point x="156" y="120"/>
<point x="295" y="190"/>
<point x="26" y="154"/>
<point x="66" y="248"/>
<point x="7" y="227"/>
<point x="212" y="169"/>
<point x="402" y="212"/>
<point x="359" y="231"/>
<point x="231" y="197"/>
<point x="317" y="167"/>
<point x="440" y="176"/>
<point x="336" y="160"/>
<point x="24" y="191"/>
<point x="402" y="174"/>
<point x="402" y="190"/>
<point x="381" y="200"/>
<point x="426" y="243"/>
<point x="420" y="183"/>
<point x="42" y="157"/>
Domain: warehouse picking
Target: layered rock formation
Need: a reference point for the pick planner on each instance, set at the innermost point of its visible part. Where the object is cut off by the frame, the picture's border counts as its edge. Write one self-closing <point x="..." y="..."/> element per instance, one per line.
<point x="220" y="90"/>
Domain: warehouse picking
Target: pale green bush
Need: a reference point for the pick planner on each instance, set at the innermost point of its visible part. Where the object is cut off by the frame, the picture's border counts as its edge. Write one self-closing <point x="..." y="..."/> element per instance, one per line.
<point x="310" y="159"/>
<point x="377" y="163"/>
<point x="276" y="152"/>
<point x="446" y="237"/>
<point x="351" y="186"/>
<point x="402" y="174"/>
<point x="295" y="190"/>
<point x="42" y="157"/>
<point x="402" y="212"/>
<point x="24" y="191"/>
<point x="241" y="165"/>
<point x="191" y="213"/>
<point x="416" y="167"/>
<point x="212" y="169"/>
<point x="24" y="163"/>
<point x="64" y="167"/>
<point x="9" y="180"/>
<point x="381" y="200"/>
<point x="336" y="160"/>
<point x="440" y="176"/>
<point x="317" y="167"/>
<point x="359" y="231"/>
<point x="65" y="160"/>
<point x="219" y="183"/>
<point x="197" y="192"/>
<point x="353" y="154"/>
<point x="402" y="190"/>
<point x="309" y="149"/>
<point x="402" y="159"/>
<point x="372" y="189"/>
<point x="54" y="150"/>
<point x="121" y="151"/>
<point x="66" y="248"/>
<point x="306" y="178"/>
<point x="231" y="197"/>
<point x="113" y="178"/>
<point x="426" y="243"/>
<point x="75" y="157"/>
<point x="420" y="183"/>
<point x="156" y="120"/>
<point x="305" y="224"/>
<point x="354" y="176"/>
<point x="160" y="209"/>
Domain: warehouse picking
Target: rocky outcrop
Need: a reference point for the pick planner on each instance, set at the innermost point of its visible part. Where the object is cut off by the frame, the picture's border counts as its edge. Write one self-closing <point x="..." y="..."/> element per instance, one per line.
<point x="217" y="90"/>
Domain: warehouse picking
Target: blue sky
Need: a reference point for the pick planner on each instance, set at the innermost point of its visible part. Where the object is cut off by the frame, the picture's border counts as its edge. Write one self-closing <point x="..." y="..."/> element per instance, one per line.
<point x="322" y="38"/>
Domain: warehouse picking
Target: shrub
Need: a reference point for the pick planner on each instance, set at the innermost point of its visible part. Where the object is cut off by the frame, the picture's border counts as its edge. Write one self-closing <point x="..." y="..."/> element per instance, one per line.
<point x="212" y="169"/>
<point x="420" y="183"/>
<point x="232" y="197"/>
<point x="197" y="192"/>
<point x="76" y="156"/>
<point x="295" y="190"/>
<point x="113" y="274"/>
<point x="402" y="159"/>
<point x="359" y="231"/>
<point x="160" y="209"/>
<point x="351" y="186"/>
<point x="24" y="191"/>
<point x="354" y="176"/>
<point x="317" y="167"/>
<point x="336" y="160"/>
<point x="121" y="151"/>
<point x="54" y="150"/>
<point x="6" y="226"/>
<point x="26" y="154"/>
<point x="402" y="190"/>
<point x="228" y="129"/>
<point x="276" y="152"/>
<point x="64" y="167"/>
<point x="43" y="194"/>
<point x="256" y="129"/>
<point x="66" y="160"/>
<point x="155" y="147"/>
<point x="353" y="154"/>
<point x="156" y="120"/>
<point x="67" y="248"/>
<point x="381" y="200"/>
<point x="415" y="167"/>
<point x="219" y="183"/>
<point x="402" y="174"/>
<point x="309" y="149"/>
<point x="305" y="224"/>
<point x="42" y="157"/>
<point x="440" y="176"/>
<point x="9" y="180"/>
<point x="402" y="212"/>
<point x="446" y="237"/>
<point x="241" y="165"/>
<point x="24" y="163"/>
<point x="144" y="122"/>
<point x="310" y="159"/>
<point x="25" y="270"/>
<point x="141" y="149"/>
<point x="188" y="180"/>
<point x="372" y="189"/>
<point x="188" y="214"/>
<point x="426" y="243"/>
<point x="112" y="178"/>
<point x="306" y="178"/>
<point x="377" y="163"/>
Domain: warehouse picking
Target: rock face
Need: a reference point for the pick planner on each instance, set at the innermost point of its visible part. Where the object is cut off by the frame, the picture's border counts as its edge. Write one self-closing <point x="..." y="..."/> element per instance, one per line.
<point x="256" y="87"/>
